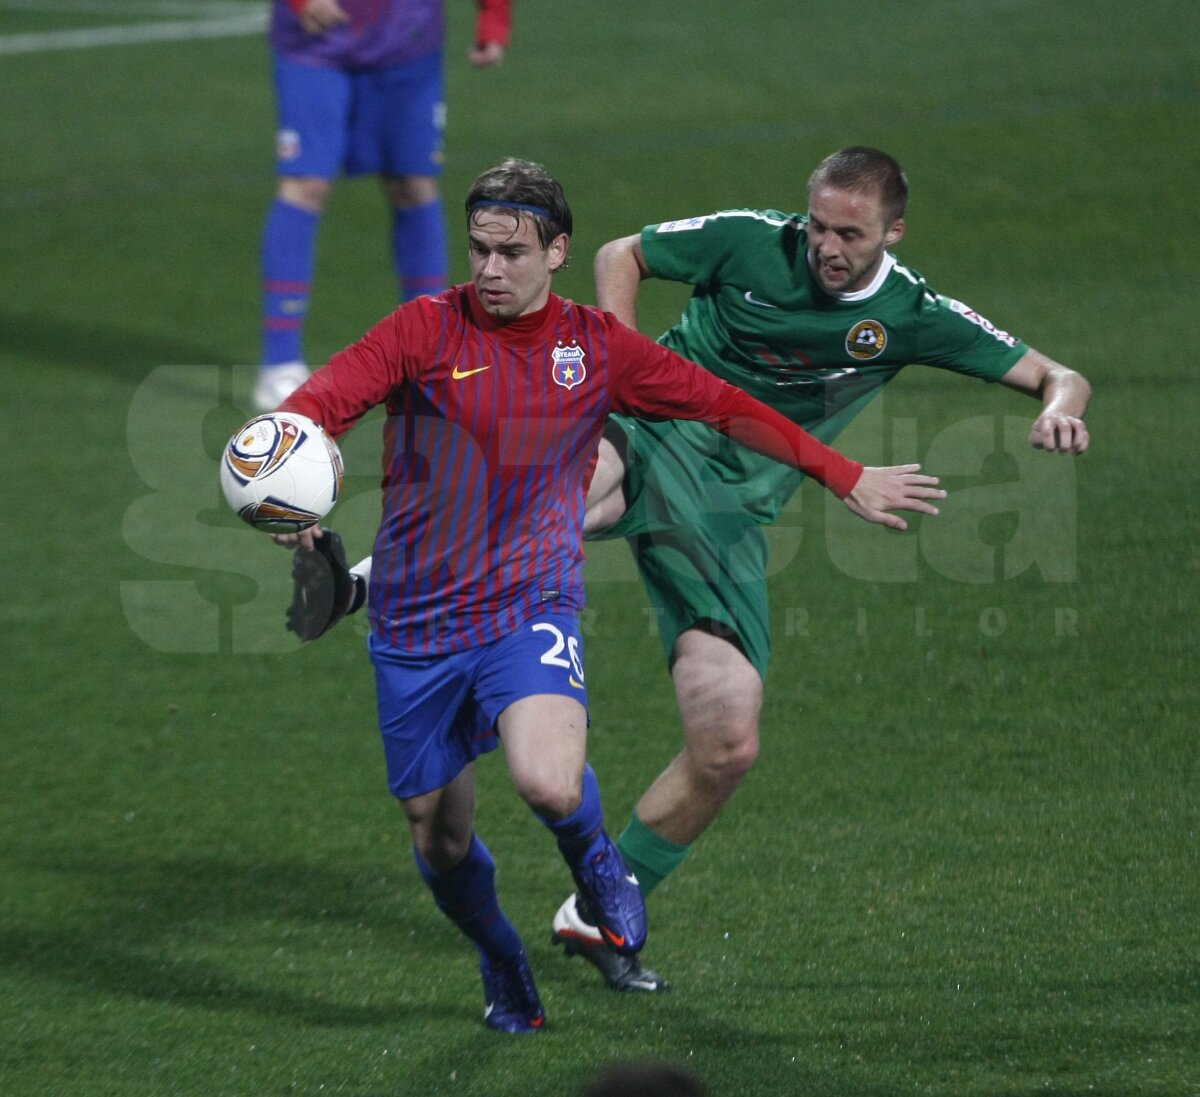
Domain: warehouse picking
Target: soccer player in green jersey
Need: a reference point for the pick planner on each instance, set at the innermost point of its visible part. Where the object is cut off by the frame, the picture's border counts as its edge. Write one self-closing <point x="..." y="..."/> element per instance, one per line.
<point x="813" y="315"/>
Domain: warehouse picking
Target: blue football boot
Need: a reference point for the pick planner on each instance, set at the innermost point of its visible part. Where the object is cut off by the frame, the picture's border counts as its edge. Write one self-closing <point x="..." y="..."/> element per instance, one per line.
<point x="610" y="897"/>
<point x="510" y="997"/>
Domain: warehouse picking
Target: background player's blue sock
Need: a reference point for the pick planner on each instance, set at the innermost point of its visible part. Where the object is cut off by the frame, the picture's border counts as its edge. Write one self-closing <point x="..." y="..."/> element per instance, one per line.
<point x="288" y="256"/>
<point x="419" y="249"/>
<point x="580" y="831"/>
<point x="467" y="896"/>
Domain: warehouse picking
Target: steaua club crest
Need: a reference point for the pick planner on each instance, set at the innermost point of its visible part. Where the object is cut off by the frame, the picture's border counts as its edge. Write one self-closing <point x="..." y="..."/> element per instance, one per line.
<point x="569" y="369"/>
<point x="866" y="340"/>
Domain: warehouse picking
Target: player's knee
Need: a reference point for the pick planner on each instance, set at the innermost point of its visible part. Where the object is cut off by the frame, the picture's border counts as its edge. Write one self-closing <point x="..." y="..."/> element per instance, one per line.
<point x="548" y="794"/>
<point x="442" y="851"/>
<point x="741" y="755"/>
<point x="603" y="512"/>
<point x="721" y="757"/>
<point x="308" y="192"/>
<point x="736" y="760"/>
<point x="409" y="191"/>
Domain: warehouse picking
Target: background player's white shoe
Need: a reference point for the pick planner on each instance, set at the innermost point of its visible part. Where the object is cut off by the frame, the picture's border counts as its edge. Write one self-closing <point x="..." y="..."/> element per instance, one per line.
<point x="277" y="383"/>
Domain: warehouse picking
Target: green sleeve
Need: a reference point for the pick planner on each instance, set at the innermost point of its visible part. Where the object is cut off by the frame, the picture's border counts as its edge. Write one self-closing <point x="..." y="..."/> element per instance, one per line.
<point x="954" y="336"/>
<point x="691" y="250"/>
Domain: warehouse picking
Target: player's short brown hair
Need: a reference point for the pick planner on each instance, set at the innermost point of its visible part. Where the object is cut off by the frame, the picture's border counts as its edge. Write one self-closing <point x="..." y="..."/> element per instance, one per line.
<point x="522" y="186"/>
<point x="859" y="169"/>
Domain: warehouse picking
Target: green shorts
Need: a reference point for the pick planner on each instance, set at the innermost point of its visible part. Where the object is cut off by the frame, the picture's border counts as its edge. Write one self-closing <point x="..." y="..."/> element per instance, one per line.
<point x="701" y="555"/>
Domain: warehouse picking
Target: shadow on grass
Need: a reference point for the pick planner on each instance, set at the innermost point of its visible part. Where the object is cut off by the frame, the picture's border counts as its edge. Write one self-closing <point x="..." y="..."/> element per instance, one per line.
<point x="138" y="933"/>
<point x="126" y="355"/>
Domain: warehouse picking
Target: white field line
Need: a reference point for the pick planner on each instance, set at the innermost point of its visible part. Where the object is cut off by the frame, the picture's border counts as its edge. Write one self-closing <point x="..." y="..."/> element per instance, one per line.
<point x="197" y="8"/>
<point x="244" y="23"/>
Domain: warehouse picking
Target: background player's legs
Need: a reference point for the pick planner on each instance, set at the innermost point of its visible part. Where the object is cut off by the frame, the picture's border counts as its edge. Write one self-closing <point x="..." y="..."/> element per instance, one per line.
<point x="313" y="105"/>
<point x="288" y="253"/>
<point x="398" y="135"/>
<point x="720" y="697"/>
<point x="420" y="252"/>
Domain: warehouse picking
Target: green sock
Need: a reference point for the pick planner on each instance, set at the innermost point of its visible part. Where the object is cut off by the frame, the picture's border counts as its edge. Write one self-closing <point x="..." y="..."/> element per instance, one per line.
<point x="649" y="857"/>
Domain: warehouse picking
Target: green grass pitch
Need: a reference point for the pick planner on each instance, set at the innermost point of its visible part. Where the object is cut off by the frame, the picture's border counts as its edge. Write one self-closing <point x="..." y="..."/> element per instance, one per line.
<point x="966" y="864"/>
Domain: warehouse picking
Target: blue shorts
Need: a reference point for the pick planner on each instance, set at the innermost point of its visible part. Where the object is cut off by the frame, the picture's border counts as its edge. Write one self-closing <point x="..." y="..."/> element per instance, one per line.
<point x="437" y="713"/>
<point x="370" y="122"/>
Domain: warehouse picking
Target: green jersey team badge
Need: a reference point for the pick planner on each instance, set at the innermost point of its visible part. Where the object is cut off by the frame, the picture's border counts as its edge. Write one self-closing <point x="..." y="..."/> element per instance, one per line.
<point x="867" y="340"/>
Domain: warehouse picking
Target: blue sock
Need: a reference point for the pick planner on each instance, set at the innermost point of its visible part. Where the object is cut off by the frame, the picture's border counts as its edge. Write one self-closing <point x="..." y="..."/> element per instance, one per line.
<point x="580" y="831"/>
<point x="288" y="255"/>
<point x="467" y="896"/>
<point x="419" y="249"/>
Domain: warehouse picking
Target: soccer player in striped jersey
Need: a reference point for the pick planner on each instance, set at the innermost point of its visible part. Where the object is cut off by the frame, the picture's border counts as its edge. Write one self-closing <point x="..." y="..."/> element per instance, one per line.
<point x="497" y="393"/>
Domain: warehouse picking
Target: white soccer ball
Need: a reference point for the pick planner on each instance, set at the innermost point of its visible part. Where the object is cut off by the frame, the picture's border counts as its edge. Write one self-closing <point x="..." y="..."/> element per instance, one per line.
<point x="281" y="472"/>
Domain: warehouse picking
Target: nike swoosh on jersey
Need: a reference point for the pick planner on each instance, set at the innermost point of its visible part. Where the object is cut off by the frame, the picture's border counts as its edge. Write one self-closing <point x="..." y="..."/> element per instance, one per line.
<point x="571" y="681"/>
<point x="752" y="300"/>
<point x="459" y="374"/>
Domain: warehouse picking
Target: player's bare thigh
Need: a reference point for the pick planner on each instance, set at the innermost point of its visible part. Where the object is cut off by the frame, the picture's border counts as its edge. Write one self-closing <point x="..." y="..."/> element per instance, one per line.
<point x="606" y="496"/>
<point x="545" y="744"/>
<point x="720" y="697"/>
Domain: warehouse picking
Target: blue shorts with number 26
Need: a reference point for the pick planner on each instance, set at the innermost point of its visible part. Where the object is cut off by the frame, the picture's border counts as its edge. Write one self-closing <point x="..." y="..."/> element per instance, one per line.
<point x="437" y="713"/>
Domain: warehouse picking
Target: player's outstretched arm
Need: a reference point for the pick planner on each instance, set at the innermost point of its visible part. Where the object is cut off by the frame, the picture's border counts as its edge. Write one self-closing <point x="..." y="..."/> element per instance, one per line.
<point x="881" y="491"/>
<point x="1064" y="394"/>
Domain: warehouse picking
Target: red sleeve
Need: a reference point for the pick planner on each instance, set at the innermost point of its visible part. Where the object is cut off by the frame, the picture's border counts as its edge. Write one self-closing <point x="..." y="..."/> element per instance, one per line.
<point x="296" y="5"/>
<point x="365" y="373"/>
<point x="763" y="429"/>
<point x="652" y="382"/>
<point x="494" y="22"/>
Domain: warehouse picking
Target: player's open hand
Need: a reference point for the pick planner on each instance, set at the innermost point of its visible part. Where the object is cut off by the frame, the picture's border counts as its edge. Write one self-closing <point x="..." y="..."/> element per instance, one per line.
<point x="880" y="491"/>
<point x="306" y="538"/>
<point x="318" y="16"/>
<point x="1059" y="433"/>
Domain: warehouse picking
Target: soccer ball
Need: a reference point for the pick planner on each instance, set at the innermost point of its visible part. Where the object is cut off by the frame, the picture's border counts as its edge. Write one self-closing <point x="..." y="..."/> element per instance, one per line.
<point x="281" y="472"/>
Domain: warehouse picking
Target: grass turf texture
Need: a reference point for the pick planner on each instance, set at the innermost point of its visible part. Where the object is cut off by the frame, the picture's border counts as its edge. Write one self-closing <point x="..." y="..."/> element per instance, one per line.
<point x="966" y="862"/>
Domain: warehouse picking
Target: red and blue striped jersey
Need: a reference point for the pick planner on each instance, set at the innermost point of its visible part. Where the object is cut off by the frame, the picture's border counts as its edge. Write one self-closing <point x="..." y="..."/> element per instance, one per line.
<point x="490" y="443"/>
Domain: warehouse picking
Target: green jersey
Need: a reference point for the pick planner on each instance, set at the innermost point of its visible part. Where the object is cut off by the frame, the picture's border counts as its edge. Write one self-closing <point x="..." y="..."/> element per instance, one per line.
<point x="759" y="319"/>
